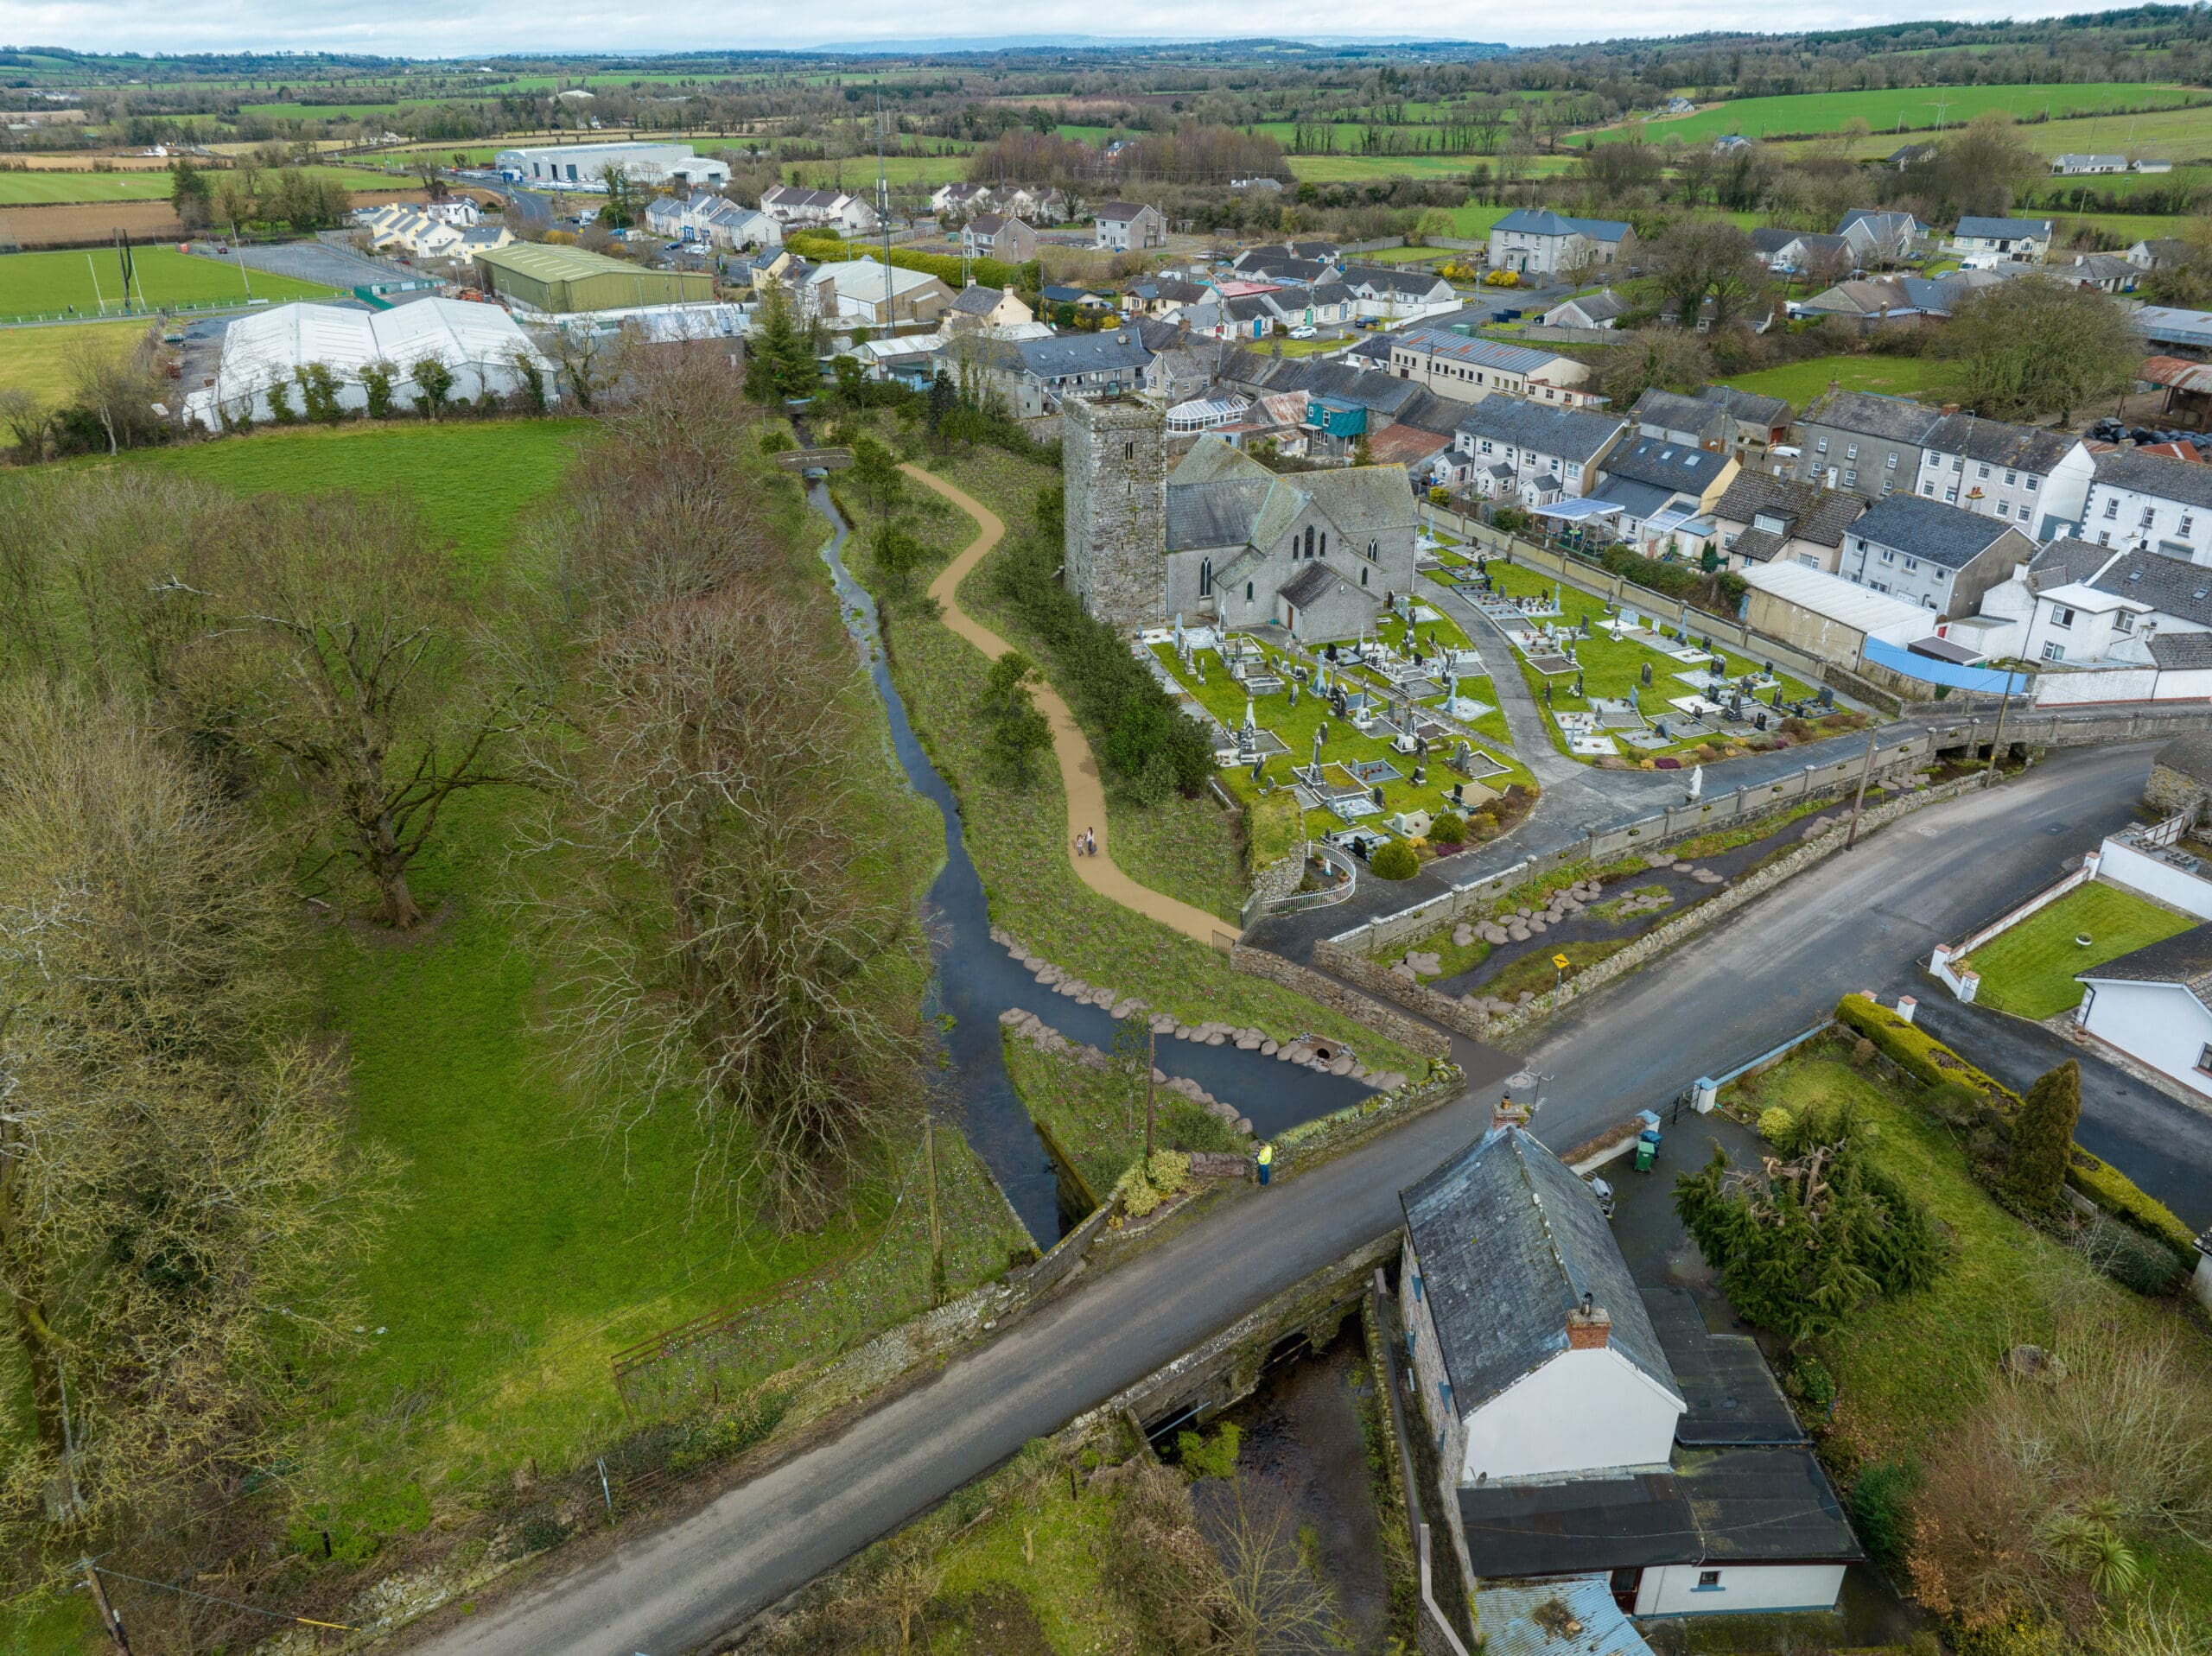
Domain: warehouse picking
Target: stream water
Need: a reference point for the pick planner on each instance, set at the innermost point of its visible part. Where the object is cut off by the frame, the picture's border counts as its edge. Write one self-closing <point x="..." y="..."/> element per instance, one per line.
<point x="975" y="981"/>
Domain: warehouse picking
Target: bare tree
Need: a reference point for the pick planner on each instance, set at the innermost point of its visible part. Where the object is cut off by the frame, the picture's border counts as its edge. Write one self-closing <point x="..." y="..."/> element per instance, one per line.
<point x="26" y="420"/>
<point x="1271" y="1602"/>
<point x="177" y="1187"/>
<point x="589" y="362"/>
<point x="338" y="649"/>
<point x="696" y="879"/>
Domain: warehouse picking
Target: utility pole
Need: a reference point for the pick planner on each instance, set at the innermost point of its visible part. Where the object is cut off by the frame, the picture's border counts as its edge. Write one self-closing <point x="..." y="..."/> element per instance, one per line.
<point x="1866" y="767"/>
<point x="1151" y="1068"/>
<point x="1997" y="746"/>
<point x="936" y="1234"/>
<point x="110" y="1621"/>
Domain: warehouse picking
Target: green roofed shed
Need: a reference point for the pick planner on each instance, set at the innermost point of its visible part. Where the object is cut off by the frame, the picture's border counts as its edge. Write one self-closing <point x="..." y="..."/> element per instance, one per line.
<point x="546" y="276"/>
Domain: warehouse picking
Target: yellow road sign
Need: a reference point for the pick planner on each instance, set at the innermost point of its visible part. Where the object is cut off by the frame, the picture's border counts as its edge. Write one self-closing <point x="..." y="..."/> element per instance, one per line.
<point x="1562" y="961"/>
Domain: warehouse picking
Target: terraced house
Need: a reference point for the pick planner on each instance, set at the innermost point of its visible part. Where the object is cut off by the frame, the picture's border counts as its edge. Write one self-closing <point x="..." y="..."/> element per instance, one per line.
<point x="1535" y="241"/>
<point x="2149" y="502"/>
<point x="1938" y="556"/>
<point x="1531" y="455"/>
<point x="2025" y="475"/>
<point x="1864" y="441"/>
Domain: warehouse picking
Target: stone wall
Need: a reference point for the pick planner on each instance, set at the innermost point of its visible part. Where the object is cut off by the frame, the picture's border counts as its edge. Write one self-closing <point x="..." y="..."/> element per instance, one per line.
<point x="1340" y="997"/>
<point x="2169" y="793"/>
<point x="1371" y="975"/>
<point x="1305" y="1146"/>
<point x="1115" y="463"/>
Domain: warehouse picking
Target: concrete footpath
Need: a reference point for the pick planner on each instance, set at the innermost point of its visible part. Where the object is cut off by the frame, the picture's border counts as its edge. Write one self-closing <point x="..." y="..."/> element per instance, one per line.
<point x="1086" y="791"/>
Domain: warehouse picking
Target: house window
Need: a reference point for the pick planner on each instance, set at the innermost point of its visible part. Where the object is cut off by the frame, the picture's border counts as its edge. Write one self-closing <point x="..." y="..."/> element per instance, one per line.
<point x="1708" y="1581"/>
<point x="2123" y="622"/>
<point x="1888" y="556"/>
<point x="2054" y="652"/>
<point x="1958" y="462"/>
<point x="1928" y="489"/>
<point x="2204" y="1060"/>
<point x="2062" y="617"/>
<point x="2149" y="514"/>
<point x="1363" y="577"/>
<point x="2188" y="520"/>
<point x="1981" y="471"/>
<point x="2003" y="510"/>
<point x="1852" y="453"/>
<point x="1893" y="459"/>
<point x="1822" y="447"/>
<point x="1248" y="592"/>
<point x="2112" y="507"/>
<point x="1951" y="495"/>
<point x="2011" y="477"/>
<point x="1851" y="477"/>
<point x="2031" y="485"/>
<point x="1911" y="564"/>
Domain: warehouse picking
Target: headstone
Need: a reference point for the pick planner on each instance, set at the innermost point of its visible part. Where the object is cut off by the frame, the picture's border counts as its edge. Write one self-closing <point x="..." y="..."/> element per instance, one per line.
<point x="1376" y="794"/>
<point x="1827" y="696"/>
<point x="1547" y="693"/>
<point x="1578" y="684"/>
<point x="1761" y="722"/>
<point x="1647" y="674"/>
<point x="1635" y="699"/>
<point x="1421" y="775"/>
<point x="1661" y="729"/>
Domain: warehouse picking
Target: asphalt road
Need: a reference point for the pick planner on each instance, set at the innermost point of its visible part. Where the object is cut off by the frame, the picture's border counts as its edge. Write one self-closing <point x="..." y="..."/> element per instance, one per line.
<point x="1854" y="921"/>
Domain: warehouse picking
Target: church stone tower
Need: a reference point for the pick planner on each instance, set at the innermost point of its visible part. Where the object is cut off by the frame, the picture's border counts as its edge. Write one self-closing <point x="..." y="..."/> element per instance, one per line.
<point x="1114" y="460"/>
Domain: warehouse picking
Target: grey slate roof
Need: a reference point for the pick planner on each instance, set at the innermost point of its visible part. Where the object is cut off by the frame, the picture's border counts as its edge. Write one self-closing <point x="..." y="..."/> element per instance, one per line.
<point x="1542" y="221"/>
<point x="2066" y="560"/>
<point x="1509" y="1240"/>
<point x="1216" y="513"/>
<point x="1816" y="514"/>
<point x="1995" y="443"/>
<point x="1569" y="433"/>
<point x="1666" y="463"/>
<point x="2156" y="475"/>
<point x="977" y="301"/>
<point x="2171" y="585"/>
<point x="1749" y="408"/>
<point x="1929" y="530"/>
<point x="1311" y="583"/>
<point x="1769" y="240"/>
<point x="2184" y="958"/>
<point x="2175" y="652"/>
<point x="1756" y="546"/>
<point x="2005" y="229"/>
<point x="2191" y="755"/>
<point x="1638" y="499"/>
<point x="1895" y="419"/>
<point x="1082" y="353"/>
<point x="1672" y="411"/>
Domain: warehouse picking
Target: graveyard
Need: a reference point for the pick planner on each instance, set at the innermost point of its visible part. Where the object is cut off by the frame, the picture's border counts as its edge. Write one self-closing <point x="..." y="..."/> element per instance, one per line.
<point x="1376" y="738"/>
<point x="1620" y="688"/>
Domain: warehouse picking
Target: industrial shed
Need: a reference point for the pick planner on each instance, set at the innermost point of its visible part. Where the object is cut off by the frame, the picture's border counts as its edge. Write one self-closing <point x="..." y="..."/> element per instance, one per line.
<point x="544" y="276"/>
<point x="480" y="343"/>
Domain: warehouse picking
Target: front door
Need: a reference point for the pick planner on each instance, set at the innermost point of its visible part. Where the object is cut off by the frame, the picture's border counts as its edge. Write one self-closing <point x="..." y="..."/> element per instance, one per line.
<point x="1625" y="1584"/>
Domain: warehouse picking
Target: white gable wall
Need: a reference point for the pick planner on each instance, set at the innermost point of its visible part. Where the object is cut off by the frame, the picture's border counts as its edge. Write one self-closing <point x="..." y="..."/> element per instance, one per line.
<point x="1681" y="1590"/>
<point x="1581" y="1412"/>
<point x="2159" y="1023"/>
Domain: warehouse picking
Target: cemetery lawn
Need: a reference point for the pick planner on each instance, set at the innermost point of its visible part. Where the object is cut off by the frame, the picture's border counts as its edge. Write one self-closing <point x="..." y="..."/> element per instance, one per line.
<point x="1909" y="1369"/>
<point x="1610" y="670"/>
<point x="48" y="285"/>
<point x="1014" y="832"/>
<point x="2029" y="971"/>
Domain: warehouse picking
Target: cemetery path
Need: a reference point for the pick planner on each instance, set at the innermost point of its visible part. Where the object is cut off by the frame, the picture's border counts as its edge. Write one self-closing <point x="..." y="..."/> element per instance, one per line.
<point x="1760" y="974"/>
<point x="1086" y="791"/>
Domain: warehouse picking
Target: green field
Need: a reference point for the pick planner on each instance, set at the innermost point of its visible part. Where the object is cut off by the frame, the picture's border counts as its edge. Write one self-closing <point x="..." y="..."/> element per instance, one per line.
<point x="49" y="187"/>
<point x="2178" y="134"/>
<point x="1800" y="382"/>
<point x="1906" y="109"/>
<point x="36" y="359"/>
<point x="49" y="284"/>
<point x="473" y="478"/>
<point x="2029" y="971"/>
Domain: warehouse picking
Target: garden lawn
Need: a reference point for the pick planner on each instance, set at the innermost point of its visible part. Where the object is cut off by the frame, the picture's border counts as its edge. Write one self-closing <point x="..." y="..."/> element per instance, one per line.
<point x="36" y="359"/>
<point x="1015" y="834"/>
<point x="1610" y="670"/>
<point x="1799" y="383"/>
<point x="474" y="479"/>
<point x="1909" y="1369"/>
<point x="49" y="284"/>
<point x="2029" y="971"/>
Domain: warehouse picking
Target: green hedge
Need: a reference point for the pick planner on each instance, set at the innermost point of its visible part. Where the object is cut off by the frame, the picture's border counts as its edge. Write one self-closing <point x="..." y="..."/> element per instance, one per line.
<point x="945" y="267"/>
<point x="1928" y="1060"/>
<point x="1918" y="1054"/>
<point x="2117" y="1195"/>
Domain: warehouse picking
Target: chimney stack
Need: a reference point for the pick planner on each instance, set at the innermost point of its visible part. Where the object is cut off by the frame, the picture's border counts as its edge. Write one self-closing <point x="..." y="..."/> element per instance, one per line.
<point x="1509" y="1114"/>
<point x="1589" y="1328"/>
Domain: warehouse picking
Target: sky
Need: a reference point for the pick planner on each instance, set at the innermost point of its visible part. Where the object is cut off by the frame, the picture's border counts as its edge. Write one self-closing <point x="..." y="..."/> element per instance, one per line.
<point x="450" y="27"/>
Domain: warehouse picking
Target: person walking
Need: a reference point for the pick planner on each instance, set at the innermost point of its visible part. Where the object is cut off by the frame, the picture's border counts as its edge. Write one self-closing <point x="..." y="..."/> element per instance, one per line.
<point x="1265" y="1159"/>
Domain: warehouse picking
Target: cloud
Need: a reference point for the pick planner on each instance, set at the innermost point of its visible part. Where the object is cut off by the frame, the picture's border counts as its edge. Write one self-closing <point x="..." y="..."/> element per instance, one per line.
<point x="458" y="28"/>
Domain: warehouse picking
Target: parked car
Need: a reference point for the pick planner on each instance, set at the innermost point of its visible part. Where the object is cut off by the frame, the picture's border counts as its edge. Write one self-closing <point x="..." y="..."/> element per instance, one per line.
<point x="1304" y="333"/>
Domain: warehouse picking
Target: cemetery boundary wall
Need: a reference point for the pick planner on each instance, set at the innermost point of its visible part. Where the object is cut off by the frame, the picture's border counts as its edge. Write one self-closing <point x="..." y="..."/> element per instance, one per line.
<point x="1333" y="956"/>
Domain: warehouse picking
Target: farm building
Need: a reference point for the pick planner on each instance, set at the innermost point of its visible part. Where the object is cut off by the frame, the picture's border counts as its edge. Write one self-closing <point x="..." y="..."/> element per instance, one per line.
<point x="543" y="277"/>
<point x="480" y="343"/>
<point x="583" y="166"/>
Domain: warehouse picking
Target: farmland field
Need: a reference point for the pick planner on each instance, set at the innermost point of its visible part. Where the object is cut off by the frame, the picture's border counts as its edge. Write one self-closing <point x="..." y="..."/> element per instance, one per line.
<point x="54" y="185"/>
<point x="2178" y="134"/>
<point x="1915" y="107"/>
<point x="46" y="284"/>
